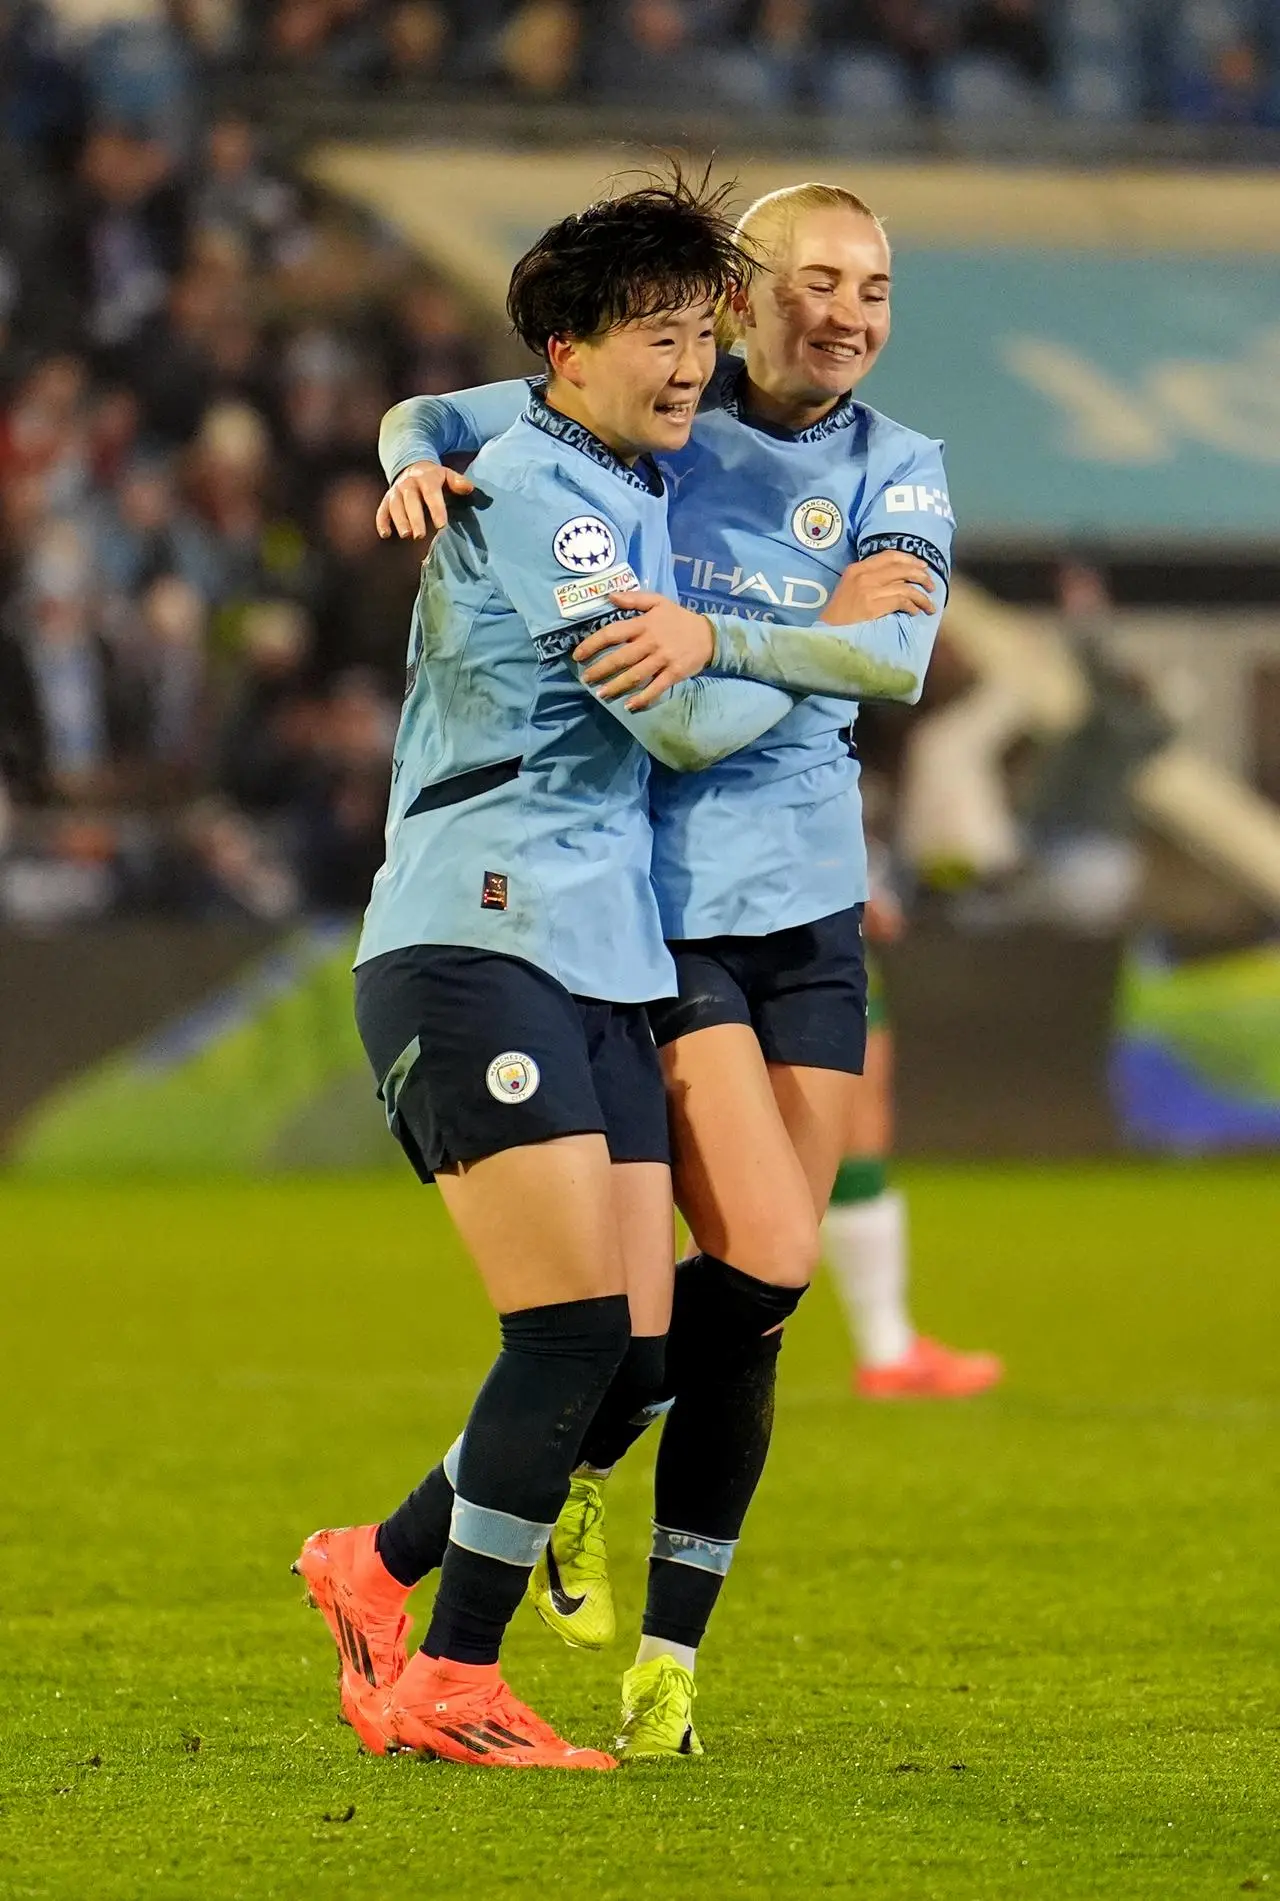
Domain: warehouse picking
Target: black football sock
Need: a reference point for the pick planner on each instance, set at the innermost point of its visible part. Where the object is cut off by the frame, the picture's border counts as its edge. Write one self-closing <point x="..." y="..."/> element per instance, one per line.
<point x="411" y="1541"/>
<point x="722" y="1360"/>
<point x="520" y="1445"/>
<point x="637" y="1396"/>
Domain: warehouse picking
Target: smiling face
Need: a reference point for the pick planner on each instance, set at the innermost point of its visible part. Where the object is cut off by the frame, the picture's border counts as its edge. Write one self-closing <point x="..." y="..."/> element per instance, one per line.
<point x="637" y="386"/>
<point x="817" y="318"/>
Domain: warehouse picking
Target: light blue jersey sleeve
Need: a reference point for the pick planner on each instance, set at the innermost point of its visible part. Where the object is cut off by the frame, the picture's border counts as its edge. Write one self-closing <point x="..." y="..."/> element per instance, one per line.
<point x="698" y="722"/>
<point x="703" y="720"/>
<point x="429" y="428"/>
<point x="884" y="659"/>
<point x="881" y="659"/>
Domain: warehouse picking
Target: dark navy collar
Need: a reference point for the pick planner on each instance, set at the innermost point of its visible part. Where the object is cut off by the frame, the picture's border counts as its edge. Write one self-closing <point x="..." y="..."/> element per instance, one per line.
<point x="843" y="416"/>
<point x="553" y="422"/>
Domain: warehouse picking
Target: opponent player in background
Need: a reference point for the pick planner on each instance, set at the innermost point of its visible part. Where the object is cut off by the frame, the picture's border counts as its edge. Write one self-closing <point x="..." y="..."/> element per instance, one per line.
<point x="865" y="1230"/>
<point x="759" y="868"/>
<point x="510" y="944"/>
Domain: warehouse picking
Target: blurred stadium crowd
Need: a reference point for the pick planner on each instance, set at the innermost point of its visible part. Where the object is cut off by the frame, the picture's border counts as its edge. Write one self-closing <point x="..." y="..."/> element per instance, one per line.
<point x="201" y="639"/>
<point x="1197" y="60"/>
<point x="1190" y="60"/>
<point x="1181" y="60"/>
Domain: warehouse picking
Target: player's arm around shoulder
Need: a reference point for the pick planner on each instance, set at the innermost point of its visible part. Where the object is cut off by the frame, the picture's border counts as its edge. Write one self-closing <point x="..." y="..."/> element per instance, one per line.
<point x="557" y="548"/>
<point x="414" y="440"/>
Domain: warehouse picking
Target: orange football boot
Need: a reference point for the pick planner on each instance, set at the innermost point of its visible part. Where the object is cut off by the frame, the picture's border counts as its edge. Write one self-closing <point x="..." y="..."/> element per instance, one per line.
<point x="928" y="1370"/>
<point x="461" y="1712"/>
<point x="360" y="1601"/>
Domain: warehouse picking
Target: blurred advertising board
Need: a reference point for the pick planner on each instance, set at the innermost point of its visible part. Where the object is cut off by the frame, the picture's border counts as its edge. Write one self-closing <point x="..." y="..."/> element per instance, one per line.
<point x="1027" y="1043"/>
<point x="259" y="1071"/>
<point x="1195" y="1063"/>
<point x="1003" y="1051"/>
<point x="1100" y="351"/>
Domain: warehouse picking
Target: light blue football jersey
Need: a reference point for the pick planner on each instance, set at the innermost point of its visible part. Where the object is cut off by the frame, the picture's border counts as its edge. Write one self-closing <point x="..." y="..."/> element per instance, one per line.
<point x="518" y="820"/>
<point x="762" y="524"/>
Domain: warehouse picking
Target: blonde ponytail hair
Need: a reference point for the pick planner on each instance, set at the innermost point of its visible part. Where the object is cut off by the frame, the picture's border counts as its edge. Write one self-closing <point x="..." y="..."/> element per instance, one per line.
<point x="764" y="232"/>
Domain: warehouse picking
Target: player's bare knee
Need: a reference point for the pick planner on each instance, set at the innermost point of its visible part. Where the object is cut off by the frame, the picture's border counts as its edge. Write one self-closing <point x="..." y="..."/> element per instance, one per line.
<point x="782" y="1253"/>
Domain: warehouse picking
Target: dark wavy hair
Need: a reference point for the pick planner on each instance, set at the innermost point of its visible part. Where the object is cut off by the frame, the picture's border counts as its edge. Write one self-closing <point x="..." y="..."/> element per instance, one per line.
<point x="662" y="247"/>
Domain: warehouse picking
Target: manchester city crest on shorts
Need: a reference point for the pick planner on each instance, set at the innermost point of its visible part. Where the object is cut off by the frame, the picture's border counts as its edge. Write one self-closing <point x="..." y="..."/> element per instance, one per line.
<point x="585" y="545"/>
<point x="512" y="1077"/>
<point x="817" y="523"/>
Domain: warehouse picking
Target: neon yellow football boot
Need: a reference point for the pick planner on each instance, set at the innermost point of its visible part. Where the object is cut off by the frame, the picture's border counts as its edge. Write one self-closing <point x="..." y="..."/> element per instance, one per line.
<point x="569" y="1586"/>
<point x="657" y="1711"/>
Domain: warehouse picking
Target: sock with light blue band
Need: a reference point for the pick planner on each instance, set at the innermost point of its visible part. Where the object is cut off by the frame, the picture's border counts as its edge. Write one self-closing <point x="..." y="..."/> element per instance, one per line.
<point x="511" y="1470"/>
<point x="450" y="1462"/>
<point x="637" y="1397"/>
<point x="413" y="1540"/>
<point x="490" y="1534"/>
<point x="701" y="1554"/>
<point x="722" y="1351"/>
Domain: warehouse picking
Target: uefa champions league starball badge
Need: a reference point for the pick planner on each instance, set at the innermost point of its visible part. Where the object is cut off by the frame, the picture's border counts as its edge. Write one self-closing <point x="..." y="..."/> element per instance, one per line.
<point x="585" y="545"/>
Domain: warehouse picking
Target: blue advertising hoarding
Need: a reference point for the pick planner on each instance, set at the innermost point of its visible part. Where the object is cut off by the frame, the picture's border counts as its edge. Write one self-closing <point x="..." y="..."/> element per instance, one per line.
<point x="1094" y="394"/>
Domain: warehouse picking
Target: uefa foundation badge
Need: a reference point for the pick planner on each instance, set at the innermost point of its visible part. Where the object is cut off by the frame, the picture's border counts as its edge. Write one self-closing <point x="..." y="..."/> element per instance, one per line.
<point x="512" y="1077"/>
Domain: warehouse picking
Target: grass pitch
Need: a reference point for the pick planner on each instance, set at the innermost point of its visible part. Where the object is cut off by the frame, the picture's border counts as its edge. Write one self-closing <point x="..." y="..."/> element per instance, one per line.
<point x="1024" y="1647"/>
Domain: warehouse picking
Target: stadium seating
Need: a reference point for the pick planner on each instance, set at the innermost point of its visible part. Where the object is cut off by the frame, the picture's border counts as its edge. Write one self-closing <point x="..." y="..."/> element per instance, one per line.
<point x="979" y="87"/>
<point x="1098" y="59"/>
<point x="865" y="85"/>
<point x="1213" y="67"/>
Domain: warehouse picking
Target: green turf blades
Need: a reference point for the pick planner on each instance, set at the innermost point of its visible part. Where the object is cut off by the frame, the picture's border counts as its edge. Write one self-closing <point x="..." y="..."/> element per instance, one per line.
<point x="1027" y="1647"/>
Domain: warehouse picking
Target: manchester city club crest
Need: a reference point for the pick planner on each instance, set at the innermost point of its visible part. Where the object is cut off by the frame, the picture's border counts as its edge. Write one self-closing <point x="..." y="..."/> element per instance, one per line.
<point x="585" y="545"/>
<point x="512" y="1077"/>
<point x="817" y="523"/>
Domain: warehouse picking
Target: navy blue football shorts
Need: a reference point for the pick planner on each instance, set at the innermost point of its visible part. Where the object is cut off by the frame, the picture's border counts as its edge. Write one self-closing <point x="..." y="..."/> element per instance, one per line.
<point x="802" y="990"/>
<point x="475" y="1052"/>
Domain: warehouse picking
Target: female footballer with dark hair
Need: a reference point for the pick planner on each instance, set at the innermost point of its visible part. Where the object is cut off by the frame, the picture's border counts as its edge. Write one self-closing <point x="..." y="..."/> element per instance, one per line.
<point x="793" y="503"/>
<point x="510" y="945"/>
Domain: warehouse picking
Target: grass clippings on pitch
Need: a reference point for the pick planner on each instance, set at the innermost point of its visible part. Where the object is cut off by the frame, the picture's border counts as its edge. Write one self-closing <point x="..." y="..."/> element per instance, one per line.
<point x="1024" y="1647"/>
